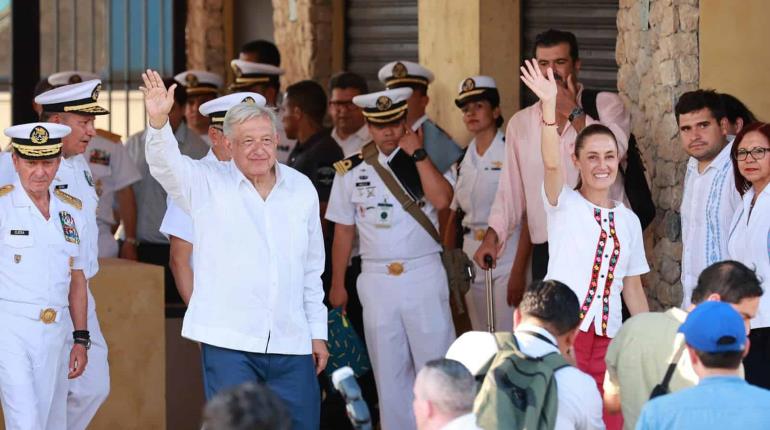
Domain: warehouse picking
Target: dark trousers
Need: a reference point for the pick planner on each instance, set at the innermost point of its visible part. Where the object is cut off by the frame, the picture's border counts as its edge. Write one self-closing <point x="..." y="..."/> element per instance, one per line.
<point x="291" y="377"/>
<point x="539" y="261"/>
<point x="757" y="362"/>
<point x="158" y="254"/>
<point x="333" y="413"/>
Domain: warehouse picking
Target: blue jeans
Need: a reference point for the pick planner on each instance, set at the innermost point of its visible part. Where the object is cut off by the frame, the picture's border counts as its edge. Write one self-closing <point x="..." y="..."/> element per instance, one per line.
<point x="291" y="377"/>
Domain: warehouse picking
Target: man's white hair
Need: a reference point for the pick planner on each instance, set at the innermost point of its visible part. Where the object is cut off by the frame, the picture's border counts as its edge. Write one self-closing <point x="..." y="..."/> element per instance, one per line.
<point x="448" y="385"/>
<point x="243" y="112"/>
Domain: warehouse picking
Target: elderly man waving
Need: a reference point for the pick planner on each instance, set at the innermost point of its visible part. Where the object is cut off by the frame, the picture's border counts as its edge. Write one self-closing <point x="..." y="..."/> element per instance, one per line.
<point x="256" y="306"/>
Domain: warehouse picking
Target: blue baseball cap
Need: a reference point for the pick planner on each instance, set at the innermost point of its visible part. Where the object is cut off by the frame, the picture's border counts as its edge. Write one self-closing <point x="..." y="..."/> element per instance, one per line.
<point x="714" y="327"/>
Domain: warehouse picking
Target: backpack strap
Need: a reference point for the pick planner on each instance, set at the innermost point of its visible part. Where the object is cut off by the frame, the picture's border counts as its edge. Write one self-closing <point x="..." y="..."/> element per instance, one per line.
<point x="588" y="102"/>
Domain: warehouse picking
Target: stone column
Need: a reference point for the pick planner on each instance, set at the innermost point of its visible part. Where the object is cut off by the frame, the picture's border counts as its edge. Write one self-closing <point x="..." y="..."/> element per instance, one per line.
<point x="486" y="41"/>
<point x="303" y="34"/>
<point x="205" y="36"/>
<point x="657" y="51"/>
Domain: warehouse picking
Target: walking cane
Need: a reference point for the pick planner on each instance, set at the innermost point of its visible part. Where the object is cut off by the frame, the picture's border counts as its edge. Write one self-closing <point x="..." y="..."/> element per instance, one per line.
<point x="490" y="295"/>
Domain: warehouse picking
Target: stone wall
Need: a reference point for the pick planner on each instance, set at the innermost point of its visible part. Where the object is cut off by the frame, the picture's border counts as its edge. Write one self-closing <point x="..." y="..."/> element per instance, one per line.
<point x="657" y="52"/>
<point x="205" y="36"/>
<point x="303" y="34"/>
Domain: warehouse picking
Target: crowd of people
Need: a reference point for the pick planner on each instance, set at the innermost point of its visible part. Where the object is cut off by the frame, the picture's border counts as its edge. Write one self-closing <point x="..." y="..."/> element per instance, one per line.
<point x="265" y="219"/>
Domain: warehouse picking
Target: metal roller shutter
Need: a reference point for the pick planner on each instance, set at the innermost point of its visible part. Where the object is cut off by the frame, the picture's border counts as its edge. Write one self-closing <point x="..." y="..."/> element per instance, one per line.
<point x="594" y="24"/>
<point x="378" y="32"/>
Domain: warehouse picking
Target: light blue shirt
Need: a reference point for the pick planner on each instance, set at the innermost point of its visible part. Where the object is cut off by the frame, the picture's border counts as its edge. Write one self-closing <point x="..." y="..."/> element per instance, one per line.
<point x="717" y="402"/>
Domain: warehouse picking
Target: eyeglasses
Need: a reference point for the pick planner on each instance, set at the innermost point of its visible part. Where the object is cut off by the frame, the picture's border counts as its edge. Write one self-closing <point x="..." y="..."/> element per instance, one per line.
<point x="342" y="104"/>
<point x="757" y="153"/>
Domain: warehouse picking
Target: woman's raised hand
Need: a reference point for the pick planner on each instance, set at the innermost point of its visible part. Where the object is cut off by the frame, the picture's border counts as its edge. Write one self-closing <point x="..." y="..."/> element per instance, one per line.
<point x="544" y="87"/>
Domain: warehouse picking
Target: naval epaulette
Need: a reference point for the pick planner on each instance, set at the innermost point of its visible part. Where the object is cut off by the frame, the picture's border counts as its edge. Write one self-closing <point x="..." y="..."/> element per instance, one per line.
<point x="66" y="198"/>
<point x="5" y="189"/>
<point x="344" y="166"/>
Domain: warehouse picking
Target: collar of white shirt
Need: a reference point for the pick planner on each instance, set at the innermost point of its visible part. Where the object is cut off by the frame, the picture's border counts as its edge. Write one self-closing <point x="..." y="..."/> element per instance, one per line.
<point x="463" y="422"/>
<point x="361" y="134"/>
<point x="417" y="124"/>
<point x="720" y="160"/>
<point x="239" y="177"/>
<point x="525" y="338"/>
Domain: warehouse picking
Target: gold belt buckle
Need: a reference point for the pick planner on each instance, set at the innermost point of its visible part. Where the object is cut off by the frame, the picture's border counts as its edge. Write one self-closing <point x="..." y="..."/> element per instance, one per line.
<point x="479" y="234"/>
<point x="48" y="316"/>
<point x="395" y="269"/>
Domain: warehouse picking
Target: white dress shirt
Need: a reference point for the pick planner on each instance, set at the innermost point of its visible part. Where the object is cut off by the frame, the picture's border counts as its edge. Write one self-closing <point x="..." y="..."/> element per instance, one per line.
<point x="112" y="171"/>
<point x="354" y="142"/>
<point x="709" y="202"/>
<point x="463" y="422"/>
<point x="385" y="229"/>
<point x="38" y="253"/>
<point x="749" y="243"/>
<point x="258" y="262"/>
<point x="591" y="250"/>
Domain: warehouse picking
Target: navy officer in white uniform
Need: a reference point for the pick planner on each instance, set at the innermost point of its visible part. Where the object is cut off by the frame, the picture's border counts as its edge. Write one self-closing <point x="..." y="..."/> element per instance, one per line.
<point x="177" y="224"/>
<point x="403" y="284"/>
<point x="257" y="302"/>
<point x="42" y="263"/>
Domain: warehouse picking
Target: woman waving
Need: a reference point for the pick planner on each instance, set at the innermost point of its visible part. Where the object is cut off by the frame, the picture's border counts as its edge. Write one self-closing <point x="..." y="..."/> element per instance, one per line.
<point x="595" y="243"/>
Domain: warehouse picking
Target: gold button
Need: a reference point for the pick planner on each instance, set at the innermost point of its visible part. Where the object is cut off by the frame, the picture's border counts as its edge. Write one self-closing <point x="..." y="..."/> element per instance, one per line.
<point x="395" y="269"/>
<point x="48" y="316"/>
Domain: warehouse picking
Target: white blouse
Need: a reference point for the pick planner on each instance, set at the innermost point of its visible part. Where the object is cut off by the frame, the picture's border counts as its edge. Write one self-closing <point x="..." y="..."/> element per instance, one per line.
<point x="591" y="250"/>
<point x="749" y="243"/>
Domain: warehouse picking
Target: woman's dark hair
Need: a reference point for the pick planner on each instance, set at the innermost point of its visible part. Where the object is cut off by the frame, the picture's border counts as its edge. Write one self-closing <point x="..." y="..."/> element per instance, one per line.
<point x="741" y="184"/>
<point x="580" y="141"/>
<point x="553" y="303"/>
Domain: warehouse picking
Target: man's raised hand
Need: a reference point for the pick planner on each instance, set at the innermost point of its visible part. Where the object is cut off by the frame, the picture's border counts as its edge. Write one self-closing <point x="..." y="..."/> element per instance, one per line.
<point x="157" y="99"/>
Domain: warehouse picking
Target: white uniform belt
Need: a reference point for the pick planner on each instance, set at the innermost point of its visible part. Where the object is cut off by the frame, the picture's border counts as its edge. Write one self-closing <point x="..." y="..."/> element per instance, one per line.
<point x="398" y="267"/>
<point x="45" y="314"/>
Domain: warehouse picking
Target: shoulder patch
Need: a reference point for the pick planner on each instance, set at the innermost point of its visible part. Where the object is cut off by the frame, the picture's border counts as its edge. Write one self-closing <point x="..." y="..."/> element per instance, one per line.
<point x="112" y="137"/>
<point x="344" y="166"/>
<point x="5" y="189"/>
<point x="66" y="198"/>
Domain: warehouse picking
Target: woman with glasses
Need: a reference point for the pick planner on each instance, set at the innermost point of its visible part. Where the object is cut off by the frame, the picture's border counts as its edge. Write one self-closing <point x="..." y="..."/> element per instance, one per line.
<point x="478" y="175"/>
<point x="749" y="240"/>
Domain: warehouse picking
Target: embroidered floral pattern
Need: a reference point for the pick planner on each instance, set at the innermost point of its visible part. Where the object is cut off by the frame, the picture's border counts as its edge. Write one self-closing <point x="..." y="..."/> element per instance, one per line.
<point x="597" y="264"/>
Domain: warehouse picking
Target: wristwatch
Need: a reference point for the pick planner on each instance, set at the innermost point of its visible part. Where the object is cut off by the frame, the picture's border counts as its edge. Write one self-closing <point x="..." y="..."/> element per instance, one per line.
<point x="578" y="111"/>
<point x="420" y="154"/>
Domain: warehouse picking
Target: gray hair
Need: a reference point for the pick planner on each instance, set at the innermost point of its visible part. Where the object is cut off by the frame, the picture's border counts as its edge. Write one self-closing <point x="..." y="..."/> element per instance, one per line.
<point x="246" y="407"/>
<point x="448" y="385"/>
<point x="243" y="112"/>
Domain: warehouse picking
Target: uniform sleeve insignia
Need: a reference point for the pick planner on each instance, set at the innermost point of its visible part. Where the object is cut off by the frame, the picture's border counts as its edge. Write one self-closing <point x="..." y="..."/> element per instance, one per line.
<point x="68" y="227"/>
<point x="5" y="189"/>
<point x="70" y="200"/>
<point x="89" y="178"/>
<point x="344" y="166"/>
<point x="99" y="156"/>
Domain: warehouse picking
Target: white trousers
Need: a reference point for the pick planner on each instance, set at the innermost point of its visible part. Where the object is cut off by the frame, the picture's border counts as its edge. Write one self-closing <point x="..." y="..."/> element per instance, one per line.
<point x="87" y="392"/>
<point x="407" y="322"/>
<point x="476" y="297"/>
<point x="32" y="366"/>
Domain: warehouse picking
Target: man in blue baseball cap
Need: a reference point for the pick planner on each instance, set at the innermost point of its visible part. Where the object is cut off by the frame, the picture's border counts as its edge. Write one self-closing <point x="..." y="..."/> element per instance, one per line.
<point x="716" y="343"/>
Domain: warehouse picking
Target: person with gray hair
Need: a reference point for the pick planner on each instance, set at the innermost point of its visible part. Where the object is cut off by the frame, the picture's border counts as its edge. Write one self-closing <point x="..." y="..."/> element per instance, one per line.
<point x="249" y="406"/>
<point x="443" y="396"/>
<point x="257" y="302"/>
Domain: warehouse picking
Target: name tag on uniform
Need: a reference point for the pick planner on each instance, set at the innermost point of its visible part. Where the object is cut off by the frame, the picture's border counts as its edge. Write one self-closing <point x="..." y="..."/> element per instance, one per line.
<point x="384" y="215"/>
<point x="61" y="187"/>
<point x="496" y="165"/>
<point x="19" y="232"/>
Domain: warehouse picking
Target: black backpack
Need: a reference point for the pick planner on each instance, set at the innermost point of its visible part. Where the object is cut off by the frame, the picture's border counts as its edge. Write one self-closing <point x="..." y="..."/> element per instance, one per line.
<point x="634" y="178"/>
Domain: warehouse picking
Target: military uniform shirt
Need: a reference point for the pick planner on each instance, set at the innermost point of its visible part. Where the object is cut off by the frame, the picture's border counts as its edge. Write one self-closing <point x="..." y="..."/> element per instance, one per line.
<point x="38" y="254"/>
<point x="386" y="230"/>
<point x="112" y="170"/>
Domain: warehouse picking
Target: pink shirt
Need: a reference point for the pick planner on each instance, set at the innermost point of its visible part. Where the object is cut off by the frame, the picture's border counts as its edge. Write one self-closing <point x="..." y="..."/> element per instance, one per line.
<point x="522" y="176"/>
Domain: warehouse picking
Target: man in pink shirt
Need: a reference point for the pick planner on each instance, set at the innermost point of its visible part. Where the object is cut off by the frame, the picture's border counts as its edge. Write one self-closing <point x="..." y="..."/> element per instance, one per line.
<point x="518" y="198"/>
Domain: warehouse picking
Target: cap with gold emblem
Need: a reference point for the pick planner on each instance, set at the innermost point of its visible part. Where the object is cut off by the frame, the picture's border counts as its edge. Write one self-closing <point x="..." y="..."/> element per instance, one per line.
<point x="248" y="73"/>
<point x="404" y="74"/>
<point x="217" y="109"/>
<point x="71" y="77"/>
<point x="73" y="98"/>
<point x="385" y="106"/>
<point x="197" y="82"/>
<point x="476" y="88"/>
<point x="37" y="140"/>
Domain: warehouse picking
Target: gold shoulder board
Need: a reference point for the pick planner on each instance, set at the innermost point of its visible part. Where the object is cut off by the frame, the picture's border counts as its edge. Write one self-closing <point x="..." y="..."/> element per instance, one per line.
<point x="70" y="200"/>
<point x="5" y="189"/>
<point x="344" y="166"/>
